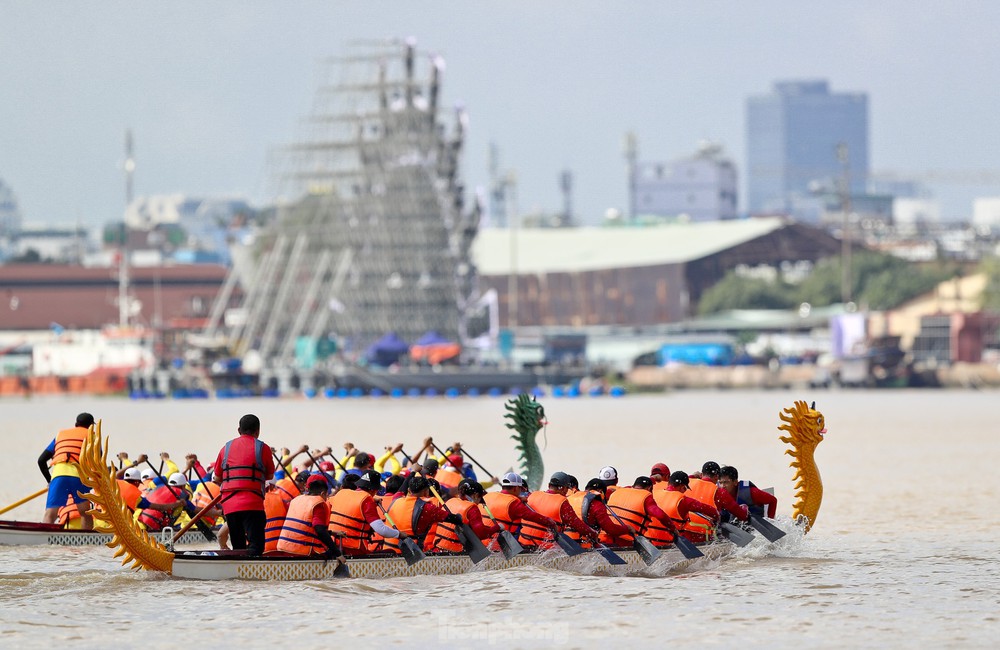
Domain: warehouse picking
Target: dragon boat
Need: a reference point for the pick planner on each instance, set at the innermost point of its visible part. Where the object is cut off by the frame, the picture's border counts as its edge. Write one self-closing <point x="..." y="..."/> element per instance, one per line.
<point x="31" y="533"/>
<point x="804" y="426"/>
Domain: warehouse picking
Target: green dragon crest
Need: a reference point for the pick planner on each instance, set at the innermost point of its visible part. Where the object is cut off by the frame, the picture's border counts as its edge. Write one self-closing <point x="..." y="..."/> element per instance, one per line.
<point x="527" y="416"/>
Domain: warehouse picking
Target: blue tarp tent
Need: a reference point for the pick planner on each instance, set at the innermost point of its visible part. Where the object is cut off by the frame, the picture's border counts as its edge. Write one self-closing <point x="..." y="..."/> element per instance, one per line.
<point x="387" y="350"/>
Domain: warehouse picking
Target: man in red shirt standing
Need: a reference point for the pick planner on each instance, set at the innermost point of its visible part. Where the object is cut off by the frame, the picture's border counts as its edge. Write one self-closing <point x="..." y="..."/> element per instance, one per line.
<point x="242" y="467"/>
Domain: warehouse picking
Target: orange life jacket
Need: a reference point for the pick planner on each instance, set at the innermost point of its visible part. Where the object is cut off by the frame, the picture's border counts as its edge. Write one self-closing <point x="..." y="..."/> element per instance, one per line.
<point x="275" y="510"/>
<point x="446" y="535"/>
<point x="156" y="520"/>
<point x="668" y="501"/>
<point x="287" y="489"/>
<point x="243" y="465"/>
<point x="405" y="513"/>
<point x="297" y="534"/>
<point x="69" y="442"/>
<point x="581" y="506"/>
<point x="544" y="503"/>
<point x="701" y="490"/>
<point x="629" y="504"/>
<point x="130" y="493"/>
<point x="68" y="512"/>
<point x="347" y="516"/>
<point x="448" y="479"/>
<point x="203" y="495"/>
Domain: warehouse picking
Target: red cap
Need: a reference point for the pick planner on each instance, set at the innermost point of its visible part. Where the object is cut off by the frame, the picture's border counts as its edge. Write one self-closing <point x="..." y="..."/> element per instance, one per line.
<point x="660" y="469"/>
<point x="317" y="478"/>
<point x="327" y="466"/>
<point x="456" y="460"/>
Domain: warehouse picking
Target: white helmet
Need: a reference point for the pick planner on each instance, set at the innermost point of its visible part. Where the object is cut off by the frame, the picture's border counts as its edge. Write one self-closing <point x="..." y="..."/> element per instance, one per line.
<point x="133" y="474"/>
<point x="147" y="474"/>
<point x="177" y="479"/>
<point x="608" y="473"/>
<point x="510" y="479"/>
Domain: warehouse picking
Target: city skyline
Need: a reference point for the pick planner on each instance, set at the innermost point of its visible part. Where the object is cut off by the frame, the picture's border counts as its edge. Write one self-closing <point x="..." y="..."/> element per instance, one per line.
<point x="210" y="92"/>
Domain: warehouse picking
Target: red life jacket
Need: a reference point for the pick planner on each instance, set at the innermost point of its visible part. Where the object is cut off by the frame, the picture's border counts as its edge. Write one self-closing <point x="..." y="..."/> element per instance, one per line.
<point x="243" y="465"/>
<point x="69" y="442"/>
<point x="156" y="520"/>
<point x="298" y="535"/>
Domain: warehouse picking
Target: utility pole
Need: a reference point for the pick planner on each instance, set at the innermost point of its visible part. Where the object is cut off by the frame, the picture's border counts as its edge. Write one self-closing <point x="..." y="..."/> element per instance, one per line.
<point x="513" y="222"/>
<point x="123" y="300"/>
<point x="566" y="185"/>
<point x="631" y="149"/>
<point x="843" y="155"/>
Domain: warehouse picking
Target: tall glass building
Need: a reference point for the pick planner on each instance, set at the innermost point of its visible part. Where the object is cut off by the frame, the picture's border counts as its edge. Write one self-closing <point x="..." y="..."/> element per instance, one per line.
<point x="793" y="136"/>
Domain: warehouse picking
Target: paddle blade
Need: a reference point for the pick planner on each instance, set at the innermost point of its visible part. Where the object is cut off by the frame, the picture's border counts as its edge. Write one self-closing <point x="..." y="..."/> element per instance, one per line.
<point x="509" y="545"/>
<point x="568" y="545"/>
<point x="645" y="549"/>
<point x="766" y="528"/>
<point x="473" y="545"/>
<point x="411" y="552"/>
<point x="206" y="530"/>
<point x="735" y="534"/>
<point x="687" y="548"/>
<point x="611" y="556"/>
<point x="341" y="571"/>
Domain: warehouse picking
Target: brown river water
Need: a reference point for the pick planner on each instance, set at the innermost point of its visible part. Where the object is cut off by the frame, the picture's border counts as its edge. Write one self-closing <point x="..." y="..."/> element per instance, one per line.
<point x="904" y="552"/>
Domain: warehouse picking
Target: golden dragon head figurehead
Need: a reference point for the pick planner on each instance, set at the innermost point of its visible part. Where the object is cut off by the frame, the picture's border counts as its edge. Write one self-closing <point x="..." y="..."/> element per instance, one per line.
<point x="132" y="542"/>
<point x="806" y="428"/>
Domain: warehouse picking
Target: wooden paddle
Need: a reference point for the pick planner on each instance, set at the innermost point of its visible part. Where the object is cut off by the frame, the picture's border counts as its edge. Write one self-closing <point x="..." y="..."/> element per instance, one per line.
<point x="197" y="518"/>
<point x="25" y="500"/>
<point x="474" y="547"/>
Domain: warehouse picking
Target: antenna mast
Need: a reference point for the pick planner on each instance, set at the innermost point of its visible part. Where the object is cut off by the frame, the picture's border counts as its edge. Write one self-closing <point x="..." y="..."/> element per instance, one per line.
<point x="123" y="301"/>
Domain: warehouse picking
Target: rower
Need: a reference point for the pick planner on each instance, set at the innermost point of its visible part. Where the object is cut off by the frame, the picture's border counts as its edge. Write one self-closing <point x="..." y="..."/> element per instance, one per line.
<point x="354" y="516"/>
<point x="64" y="477"/>
<point x="414" y="514"/>
<point x="659" y="475"/>
<point x="306" y="528"/>
<point x="588" y="504"/>
<point x="470" y="495"/>
<point x="746" y="493"/>
<point x="128" y="487"/>
<point x="161" y="507"/>
<point x="707" y="490"/>
<point x="679" y="506"/>
<point x="609" y="475"/>
<point x="450" y="475"/>
<point x="278" y="496"/>
<point x="509" y="510"/>
<point x="553" y="504"/>
<point x="637" y="507"/>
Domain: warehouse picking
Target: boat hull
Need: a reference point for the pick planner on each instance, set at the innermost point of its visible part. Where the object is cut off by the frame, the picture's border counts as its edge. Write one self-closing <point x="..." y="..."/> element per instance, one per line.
<point x="24" y="533"/>
<point x="209" y="565"/>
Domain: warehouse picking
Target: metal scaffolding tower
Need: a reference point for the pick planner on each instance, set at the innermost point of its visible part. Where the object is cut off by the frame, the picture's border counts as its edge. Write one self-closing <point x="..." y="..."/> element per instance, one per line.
<point x="375" y="236"/>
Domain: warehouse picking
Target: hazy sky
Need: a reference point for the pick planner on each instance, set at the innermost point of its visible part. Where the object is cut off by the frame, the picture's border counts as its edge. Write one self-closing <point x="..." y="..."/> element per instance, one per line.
<point x="210" y="88"/>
